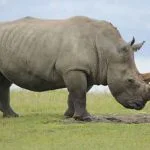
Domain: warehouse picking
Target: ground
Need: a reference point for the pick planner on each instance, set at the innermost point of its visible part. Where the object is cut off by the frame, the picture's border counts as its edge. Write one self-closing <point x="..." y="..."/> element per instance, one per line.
<point x="41" y="125"/>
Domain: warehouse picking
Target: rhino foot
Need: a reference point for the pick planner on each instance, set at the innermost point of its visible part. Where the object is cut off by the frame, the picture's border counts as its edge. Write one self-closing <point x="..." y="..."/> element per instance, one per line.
<point x="10" y="114"/>
<point x="68" y="114"/>
<point x="86" y="117"/>
<point x="79" y="118"/>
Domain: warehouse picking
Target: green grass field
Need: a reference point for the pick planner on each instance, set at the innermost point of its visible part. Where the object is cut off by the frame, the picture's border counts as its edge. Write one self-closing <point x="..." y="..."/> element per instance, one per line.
<point x="41" y="125"/>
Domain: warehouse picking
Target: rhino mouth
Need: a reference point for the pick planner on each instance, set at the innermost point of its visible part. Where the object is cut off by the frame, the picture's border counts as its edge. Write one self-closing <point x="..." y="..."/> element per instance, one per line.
<point x="137" y="105"/>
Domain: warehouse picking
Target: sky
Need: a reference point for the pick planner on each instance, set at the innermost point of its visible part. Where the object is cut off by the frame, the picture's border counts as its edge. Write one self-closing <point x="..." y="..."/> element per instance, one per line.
<point x="132" y="18"/>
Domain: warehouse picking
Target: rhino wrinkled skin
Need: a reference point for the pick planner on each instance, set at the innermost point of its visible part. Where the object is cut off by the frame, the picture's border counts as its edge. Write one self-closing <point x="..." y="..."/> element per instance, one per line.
<point x="75" y="53"/>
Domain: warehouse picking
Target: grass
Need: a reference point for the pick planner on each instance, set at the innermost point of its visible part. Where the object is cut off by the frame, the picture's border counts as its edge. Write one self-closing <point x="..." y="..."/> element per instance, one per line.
<point x="41" y="125"/>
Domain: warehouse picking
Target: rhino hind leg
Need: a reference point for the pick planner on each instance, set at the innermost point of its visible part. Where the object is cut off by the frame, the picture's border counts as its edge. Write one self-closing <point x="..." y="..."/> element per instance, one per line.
<point x="76" y="83"/>
<point x="5" y="98"/>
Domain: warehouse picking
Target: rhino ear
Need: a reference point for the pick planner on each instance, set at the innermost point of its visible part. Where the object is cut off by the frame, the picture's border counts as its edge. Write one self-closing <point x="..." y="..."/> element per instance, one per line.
<point x="132" y="42"/>
<point x="128" y="45"/>
<point x="138" y="46"/>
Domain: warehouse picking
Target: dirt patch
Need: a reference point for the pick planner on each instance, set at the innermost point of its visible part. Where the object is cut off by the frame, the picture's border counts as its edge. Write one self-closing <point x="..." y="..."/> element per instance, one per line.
<point x="136" y="119"/>
<point x="128" y="119"/>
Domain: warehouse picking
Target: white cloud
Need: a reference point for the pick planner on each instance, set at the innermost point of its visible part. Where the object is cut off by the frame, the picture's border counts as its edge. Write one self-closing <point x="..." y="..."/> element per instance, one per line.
<point x="3" y="2"/>
<point x="148" y="25"/>
<point x="143" y="64"/>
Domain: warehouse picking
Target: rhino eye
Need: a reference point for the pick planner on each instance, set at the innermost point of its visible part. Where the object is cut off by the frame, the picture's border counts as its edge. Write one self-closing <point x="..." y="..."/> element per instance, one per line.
<point x="131" y="80"/>
<point x="125" y="49"/>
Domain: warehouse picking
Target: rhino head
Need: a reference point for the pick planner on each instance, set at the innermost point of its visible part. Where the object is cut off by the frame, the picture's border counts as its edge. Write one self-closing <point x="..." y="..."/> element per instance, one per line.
<point x="127" y="85"/>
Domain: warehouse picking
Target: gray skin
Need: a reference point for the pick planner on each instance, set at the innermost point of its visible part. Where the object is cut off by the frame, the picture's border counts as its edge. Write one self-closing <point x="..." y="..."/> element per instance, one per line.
<point x="76" y="53"/>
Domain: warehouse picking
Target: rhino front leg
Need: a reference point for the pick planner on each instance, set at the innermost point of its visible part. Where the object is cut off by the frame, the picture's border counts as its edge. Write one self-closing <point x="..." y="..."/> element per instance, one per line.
<point x="71" y="110"/>
<point x="76" y="83"/>
<point x="5" y="98"/>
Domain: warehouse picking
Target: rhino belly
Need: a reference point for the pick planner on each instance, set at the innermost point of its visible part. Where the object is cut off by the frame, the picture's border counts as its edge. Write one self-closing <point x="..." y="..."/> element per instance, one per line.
<point x="34" y="82"/>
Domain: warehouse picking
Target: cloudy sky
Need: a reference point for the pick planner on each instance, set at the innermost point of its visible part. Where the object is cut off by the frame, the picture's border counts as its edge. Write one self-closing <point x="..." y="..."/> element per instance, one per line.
<point x="132" y="18"/>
